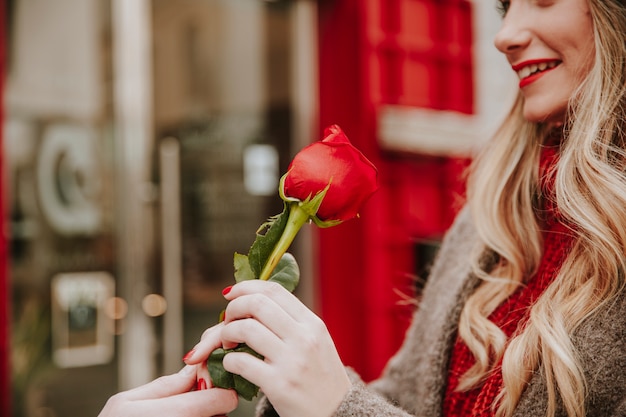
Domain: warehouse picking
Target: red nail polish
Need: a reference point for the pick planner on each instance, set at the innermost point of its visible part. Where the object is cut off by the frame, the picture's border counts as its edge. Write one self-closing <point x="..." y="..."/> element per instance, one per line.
<point x="201" y="384"/>
<point x="189" y="355"/>
<point x="227" y="290"/>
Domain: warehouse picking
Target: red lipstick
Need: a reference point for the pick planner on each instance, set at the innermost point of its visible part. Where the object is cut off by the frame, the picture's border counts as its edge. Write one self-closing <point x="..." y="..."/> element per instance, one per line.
<point x="531" y="70"/>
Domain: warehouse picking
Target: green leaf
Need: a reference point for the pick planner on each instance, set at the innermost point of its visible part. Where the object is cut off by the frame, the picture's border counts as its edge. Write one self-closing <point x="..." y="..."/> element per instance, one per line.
<point x="245" y="388"/>
<point x="264" y="243"/>
<point x="224" y="379"/>
<point x="219" y="376"/>
<point x="287" y="272"/>
<point x="243" y="272"/>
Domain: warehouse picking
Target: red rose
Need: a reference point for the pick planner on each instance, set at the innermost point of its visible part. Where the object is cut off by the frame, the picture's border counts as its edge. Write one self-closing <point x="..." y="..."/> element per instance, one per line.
<point x="352" y="177"/>
<point x="327" y="182"/>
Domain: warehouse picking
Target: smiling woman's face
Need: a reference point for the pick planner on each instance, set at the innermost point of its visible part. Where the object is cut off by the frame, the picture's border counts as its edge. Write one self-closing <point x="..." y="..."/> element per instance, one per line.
<point x="550" y="44"/>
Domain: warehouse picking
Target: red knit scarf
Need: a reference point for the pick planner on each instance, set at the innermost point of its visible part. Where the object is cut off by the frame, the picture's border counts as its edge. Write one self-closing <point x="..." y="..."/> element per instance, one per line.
<point x="511" y="315"/>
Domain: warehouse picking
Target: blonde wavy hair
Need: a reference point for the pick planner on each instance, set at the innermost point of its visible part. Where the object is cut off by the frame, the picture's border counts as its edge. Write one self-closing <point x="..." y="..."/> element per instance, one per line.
<point x="590" y="191"/>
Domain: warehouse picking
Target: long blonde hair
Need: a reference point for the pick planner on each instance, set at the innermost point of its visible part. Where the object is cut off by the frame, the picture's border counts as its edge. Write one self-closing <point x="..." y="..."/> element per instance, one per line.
<point x="590" y="190"/>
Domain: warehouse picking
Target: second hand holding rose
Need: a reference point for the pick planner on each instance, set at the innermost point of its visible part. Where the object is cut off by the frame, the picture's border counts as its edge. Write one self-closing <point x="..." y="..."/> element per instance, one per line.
<point x="301" y="373"/>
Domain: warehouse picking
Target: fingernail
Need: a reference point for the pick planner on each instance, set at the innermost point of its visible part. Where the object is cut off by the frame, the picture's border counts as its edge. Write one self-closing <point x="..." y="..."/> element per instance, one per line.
<point x="189" y="355"/>
<point x="226" y="290"/>
<point x="201" y="384"/>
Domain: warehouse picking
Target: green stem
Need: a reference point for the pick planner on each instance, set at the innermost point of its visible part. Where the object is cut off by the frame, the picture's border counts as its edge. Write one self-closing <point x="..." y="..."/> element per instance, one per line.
<point x="297" y="218"/>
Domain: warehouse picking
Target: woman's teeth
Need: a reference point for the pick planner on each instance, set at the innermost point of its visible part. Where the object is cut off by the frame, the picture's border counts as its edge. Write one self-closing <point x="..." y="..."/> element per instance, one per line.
<point x="533" y="68"/>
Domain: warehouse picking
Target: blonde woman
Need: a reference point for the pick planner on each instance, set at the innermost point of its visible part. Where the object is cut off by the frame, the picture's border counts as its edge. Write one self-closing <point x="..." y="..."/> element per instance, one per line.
<point x="525" y="310"/>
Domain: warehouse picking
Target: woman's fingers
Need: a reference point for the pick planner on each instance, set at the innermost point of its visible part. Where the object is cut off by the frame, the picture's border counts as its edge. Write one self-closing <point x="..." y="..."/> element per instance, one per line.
<point x="263" y="309"/>
<point x="301" y="375"/>
<point x="205" y="403"/>
<point x="209" y="402"/>
<point x="274" y="291"/>
<point x="254" y="334"/>
<point x="250" y="367"/>
<point x="210" y="341"/>
<point x="203" y="378"/>
<point x="170" y="396"/>
<point x="165" y="386"/>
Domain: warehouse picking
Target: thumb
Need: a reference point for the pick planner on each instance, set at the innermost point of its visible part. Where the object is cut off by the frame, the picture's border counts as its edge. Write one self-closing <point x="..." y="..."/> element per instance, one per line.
<point x="166" y="386"/>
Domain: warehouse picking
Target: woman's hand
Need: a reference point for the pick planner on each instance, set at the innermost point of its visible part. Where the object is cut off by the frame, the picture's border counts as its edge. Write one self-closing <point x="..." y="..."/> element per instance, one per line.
<point x="171" y="396"/>
<point x="301" y="374"/>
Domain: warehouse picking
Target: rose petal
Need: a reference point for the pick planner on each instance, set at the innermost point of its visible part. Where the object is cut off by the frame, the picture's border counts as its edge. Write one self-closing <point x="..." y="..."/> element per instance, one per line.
<point x="352" y="177"/>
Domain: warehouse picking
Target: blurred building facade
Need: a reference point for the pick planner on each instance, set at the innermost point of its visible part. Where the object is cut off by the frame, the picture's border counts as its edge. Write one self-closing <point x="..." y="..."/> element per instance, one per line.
<point x="142" y="145"/>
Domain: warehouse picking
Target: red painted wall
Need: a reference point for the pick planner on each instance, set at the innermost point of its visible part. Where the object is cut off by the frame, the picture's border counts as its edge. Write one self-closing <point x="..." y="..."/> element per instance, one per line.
<point x="4" y="284"/>
<point x="375" y="52"/>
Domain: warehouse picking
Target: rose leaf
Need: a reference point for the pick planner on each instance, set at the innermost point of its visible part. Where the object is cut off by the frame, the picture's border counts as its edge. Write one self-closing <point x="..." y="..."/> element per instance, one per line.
<point x="224" y="379"/>
<point x="219" y="376"/>
<point x="243" y="272"/>
<point x="287" y="272"/>
<point x="264" y="243"/>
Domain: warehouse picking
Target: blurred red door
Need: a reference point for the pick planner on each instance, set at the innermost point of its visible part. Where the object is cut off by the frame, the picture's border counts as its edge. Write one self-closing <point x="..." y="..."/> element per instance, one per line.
<point x="4" y="282"/>
<point x="414" y="53"/>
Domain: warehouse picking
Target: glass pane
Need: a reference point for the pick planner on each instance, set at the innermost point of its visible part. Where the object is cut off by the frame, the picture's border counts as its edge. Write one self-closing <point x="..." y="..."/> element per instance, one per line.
<point x="59" y="152"/>
<point x="222" y="91"/>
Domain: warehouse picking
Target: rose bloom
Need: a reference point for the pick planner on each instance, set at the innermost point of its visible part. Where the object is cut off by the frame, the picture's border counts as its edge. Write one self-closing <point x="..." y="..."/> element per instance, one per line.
<point x="352" y="177"/>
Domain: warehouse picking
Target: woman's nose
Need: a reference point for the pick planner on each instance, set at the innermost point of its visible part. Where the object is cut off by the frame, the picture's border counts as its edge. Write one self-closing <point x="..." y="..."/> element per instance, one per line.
<point x="515" y="33"/>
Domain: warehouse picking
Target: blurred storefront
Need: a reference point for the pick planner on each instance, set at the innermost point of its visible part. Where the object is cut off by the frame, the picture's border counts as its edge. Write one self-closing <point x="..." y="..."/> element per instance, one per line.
<point x="5" y="378"/>
<point x="143" y="141"/>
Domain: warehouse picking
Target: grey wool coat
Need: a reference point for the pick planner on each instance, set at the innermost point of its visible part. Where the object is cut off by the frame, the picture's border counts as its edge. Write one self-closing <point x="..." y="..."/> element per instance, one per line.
<point x="413" y="382"/>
